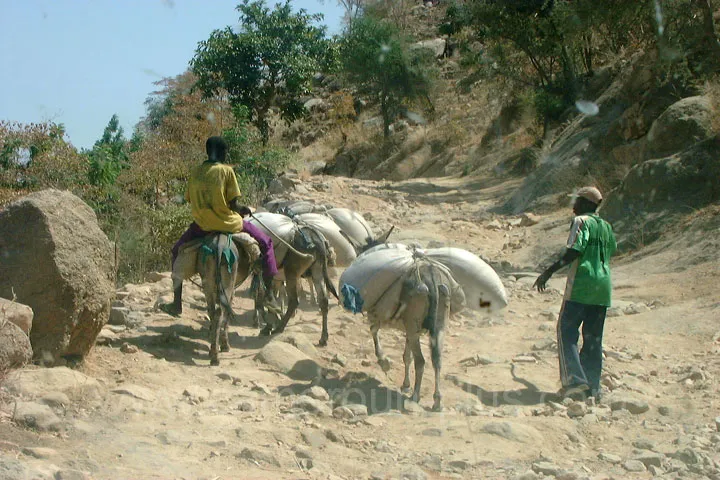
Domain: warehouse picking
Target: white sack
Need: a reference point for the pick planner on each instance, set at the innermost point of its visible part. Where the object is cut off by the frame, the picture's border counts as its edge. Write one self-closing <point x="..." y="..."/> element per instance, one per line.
<point x="353" y="225"/>
<point x="344" y="251"/>
<point x="276" y="225"/>
<point x="479" y="281"/>
<point x="372" y="273"/>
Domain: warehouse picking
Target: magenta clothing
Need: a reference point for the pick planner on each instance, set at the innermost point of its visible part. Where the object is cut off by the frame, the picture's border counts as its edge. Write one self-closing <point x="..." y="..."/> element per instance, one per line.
<point x="265" y="243"/>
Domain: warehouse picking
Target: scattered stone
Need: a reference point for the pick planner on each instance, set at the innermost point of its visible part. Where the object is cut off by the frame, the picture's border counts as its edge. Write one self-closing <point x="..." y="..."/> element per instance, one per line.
<point x="15" y="348"/>
<point x="106" y="337"/>
<point x="644" y="444"/>
<point x="299" y="341"/>
<point x="459" y="465"/>
<point x="36" y="415"/>
<point x="548" y="316"/>
<point x="261" y="387"/>
<point x="289" y="360"/>
<point x="650" y="458"/>
<point x="634" y="466"/>
<point x="127" y="348"/>
<point x="413" y="473"/>
<point x="69" y="474"/>
<point x="197" y="393"/>
<point x="37" y="382"/>
<point x="246" y="407"/>
<point x="225" y="376"/>
<point x="39" y="452"/>
<point x="577" y="409"/>
<point x="357" y="409"/>
<point x="656" y="471"/>
<point x="318" y="393"/>
<point x="717" y="424"/>
<point x="136" y="391"/>
<point x="615" y="312"/>
<point x="513" y="431"/>
<point x="432" y="432"/>
<point x="545" y="344"/>
<point x="636" y="308"/>
<point x="546" y="468"/>
<point x="313" y="406"/>
<point x="257" y="455"/>
<point x="529" y="475"/>
<point x="18" y="314"/>
<point x="342" y="413"/>
<point x="666" y="411"/>
<point x="632" y="405"/>
<point x="688" y="456"/>
<point x="118" y="315"/>
<point x="315" y="438"/>
<point x="528" y="220"/>
<point x="610" y="458"/>
<point x="339" y="359"/>
<point x="301" y="452"/>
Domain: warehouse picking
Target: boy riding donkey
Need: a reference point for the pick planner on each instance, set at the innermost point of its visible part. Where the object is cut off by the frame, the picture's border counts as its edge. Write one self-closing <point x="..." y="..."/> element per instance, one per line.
<point x="214" y="198"/>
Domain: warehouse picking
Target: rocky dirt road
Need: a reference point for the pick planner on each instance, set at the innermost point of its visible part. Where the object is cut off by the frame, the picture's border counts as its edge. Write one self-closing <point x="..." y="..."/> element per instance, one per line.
<point x="146" y="404"/>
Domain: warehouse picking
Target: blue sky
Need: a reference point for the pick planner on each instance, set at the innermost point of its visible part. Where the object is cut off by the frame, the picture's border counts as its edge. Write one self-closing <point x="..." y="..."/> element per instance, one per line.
<point x="78" y="62"/>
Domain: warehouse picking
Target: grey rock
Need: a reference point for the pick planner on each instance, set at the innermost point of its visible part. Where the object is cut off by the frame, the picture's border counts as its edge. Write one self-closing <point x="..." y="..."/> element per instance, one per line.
<point x="664" y="410"/>
<point x="301" y="452"/>
<point x="197" y="393"/>
<point x="318" y="393"/>
<point x="513" y="431"/>
<point x="69" y="474"/>
<point x="313" y="406"/>
<point x="577" y="410"/>
<point x="339" y="359"/>
<point x="634" y="466"/>
<point x="636" y="308"/>
<point x="38" y="382"/>
<point x="644" y="444"/>
<point x="632" y="405"/>
<point x="413" y="473"/>
<point x="610" y="458"/>
<point x="118" y="315"/>
<point x="459" y="465"/>
<point x="260" y="456"/>
<point x="650" y="458"/>
<point x="17" y="314"/>
<point x="246" y="407"/>
<point x="358" y="409"/>
<point x="411" y="407"/>
<point x="36" y="415"/>
<point x="342" y="413"/>
<point x="289" y="360"/>
<point x="432" y="432"/>
<point x="40" y="452"/>
<point x="315" y="438"/>
<point x="688" y="456"/>
<point x="12" y="469"/>
<point x="529" y="475"/>
<point x="299" y="341"/>
<point x="656" y="471"/>
<point x="547" y="468"/>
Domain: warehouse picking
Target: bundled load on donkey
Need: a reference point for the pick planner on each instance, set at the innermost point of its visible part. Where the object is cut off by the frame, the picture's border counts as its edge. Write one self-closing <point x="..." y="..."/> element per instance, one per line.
<point x="417" y="290"/>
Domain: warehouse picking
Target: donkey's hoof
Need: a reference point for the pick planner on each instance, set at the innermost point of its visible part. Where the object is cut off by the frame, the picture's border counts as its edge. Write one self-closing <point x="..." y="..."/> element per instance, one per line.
<point x="385" y="364"/>
<point x="266" y="331"/>
<point x="437" y="407"/>
<point x="225" y="348"/>
<point x="405" y="389"/>
<point x="214" y="362"/>
<point x="323" y="342"/>
<point x="278" y="331"/>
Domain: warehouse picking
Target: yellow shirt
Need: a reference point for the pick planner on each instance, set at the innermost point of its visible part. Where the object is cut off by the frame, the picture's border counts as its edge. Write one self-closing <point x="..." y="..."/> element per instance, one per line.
<point x="210" y="189"/>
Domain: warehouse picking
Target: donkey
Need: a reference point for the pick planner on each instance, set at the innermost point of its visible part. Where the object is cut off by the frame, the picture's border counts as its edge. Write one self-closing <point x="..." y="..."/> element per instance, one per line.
<point x="429" y="294"/>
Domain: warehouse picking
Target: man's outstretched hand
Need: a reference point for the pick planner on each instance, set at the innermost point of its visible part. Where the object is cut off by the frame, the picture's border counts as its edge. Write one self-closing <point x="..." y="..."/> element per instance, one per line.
<point x="541" y="282"/>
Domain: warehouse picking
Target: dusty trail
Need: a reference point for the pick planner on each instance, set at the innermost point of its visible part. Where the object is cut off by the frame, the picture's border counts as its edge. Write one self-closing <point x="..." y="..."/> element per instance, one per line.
<point x="160" y="410"/>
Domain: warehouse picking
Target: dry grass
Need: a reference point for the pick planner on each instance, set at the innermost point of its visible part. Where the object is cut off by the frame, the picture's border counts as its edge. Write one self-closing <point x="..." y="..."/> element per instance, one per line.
<point x="711" y="89"/>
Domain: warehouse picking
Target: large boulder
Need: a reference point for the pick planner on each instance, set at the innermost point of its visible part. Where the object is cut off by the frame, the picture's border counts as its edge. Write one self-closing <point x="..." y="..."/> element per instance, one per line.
<point x="17" y="313"/>
<point x="655" y="192"/>
<point x="56" y="260"/>
<point x="15" y="349"/>
<point x="683" y="124"/>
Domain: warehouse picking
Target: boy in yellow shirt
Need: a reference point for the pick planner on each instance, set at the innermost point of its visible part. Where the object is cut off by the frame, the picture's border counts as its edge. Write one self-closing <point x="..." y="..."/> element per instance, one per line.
<point x="214" y="198"/>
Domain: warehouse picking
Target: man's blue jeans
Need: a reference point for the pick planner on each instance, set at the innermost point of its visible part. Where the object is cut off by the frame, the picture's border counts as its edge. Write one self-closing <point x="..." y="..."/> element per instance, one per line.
<point x="581" y="367"/>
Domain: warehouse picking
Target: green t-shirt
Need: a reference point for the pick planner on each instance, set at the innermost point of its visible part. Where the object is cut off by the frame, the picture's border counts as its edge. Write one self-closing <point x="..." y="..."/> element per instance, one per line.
<point x="589" y="280"/>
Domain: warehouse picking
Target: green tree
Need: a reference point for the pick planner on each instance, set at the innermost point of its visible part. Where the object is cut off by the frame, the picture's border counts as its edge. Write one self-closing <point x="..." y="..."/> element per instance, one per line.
<point x="377" y="60"/>
<point x="108" y="156"/>
<point x="269" y="61"/>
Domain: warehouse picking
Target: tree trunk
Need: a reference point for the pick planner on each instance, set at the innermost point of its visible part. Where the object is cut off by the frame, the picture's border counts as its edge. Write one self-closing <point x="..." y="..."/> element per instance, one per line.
<point x="385" y="112"/>
<point x="709" y="26"/>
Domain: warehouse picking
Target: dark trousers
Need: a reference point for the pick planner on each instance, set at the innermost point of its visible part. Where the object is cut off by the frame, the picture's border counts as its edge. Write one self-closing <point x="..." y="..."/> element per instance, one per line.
<point x="581" y="367"/>
<point x="265" y="243"/>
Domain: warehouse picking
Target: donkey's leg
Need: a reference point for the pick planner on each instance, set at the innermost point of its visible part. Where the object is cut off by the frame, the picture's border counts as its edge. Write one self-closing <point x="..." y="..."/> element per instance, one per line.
<point x="414" y="340"/>
<point x="214" y="313"/>
<point x="383" y="361"/>
<point x="436" y="340"/>
<point x="322" y="297"/>
<point x="407" y="357"/>
<point x="291" y="284"/>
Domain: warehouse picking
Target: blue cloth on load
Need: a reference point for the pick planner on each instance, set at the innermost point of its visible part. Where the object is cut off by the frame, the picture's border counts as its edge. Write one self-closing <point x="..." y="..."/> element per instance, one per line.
<point x="351" y="298"/>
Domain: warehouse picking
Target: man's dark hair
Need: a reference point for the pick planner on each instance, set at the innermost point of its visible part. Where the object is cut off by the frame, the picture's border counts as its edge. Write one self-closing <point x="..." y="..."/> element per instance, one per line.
<point x="586" y="206"/>
<point x="216" y="149"/>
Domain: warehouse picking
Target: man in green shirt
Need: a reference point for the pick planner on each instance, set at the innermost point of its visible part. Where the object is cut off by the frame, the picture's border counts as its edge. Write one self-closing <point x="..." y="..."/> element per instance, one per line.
<point x="587" y="295"/>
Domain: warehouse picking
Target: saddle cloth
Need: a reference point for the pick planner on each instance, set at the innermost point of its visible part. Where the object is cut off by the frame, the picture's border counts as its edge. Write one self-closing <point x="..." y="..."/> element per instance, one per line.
<point x="186" y="263"/>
